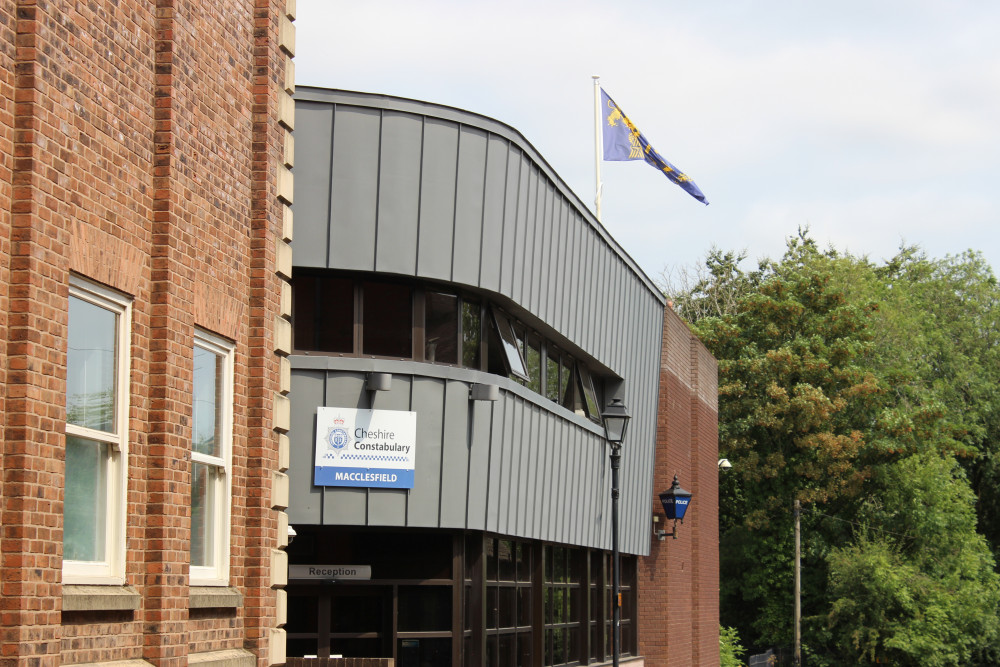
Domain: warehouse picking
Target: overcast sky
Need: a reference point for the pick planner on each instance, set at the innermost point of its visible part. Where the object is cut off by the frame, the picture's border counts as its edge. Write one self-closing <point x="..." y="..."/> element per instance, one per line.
<point x="872" y="122"/>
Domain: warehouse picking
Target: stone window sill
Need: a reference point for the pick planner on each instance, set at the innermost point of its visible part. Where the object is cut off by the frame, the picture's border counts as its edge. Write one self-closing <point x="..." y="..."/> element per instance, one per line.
<point x="79" y="597"/>
<point x="214" y="597"/>
<point x="227" y="658"/>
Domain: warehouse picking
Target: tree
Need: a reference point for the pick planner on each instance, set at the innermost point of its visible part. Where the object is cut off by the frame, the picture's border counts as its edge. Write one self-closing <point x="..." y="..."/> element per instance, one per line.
<point x="835" y="375"/>
<point x="918" y="586"/>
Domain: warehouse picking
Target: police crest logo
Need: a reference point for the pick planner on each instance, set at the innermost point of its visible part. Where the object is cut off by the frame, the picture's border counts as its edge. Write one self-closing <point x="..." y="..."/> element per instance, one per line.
<point x="338" y="438"/>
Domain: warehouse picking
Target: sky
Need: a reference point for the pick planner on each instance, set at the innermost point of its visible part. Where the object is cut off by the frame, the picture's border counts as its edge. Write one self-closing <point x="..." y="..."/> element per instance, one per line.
<point x="874" y="123"/>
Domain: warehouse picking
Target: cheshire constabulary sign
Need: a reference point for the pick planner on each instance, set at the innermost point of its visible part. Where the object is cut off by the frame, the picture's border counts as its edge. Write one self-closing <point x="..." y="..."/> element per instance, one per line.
<point x="367" y="448"/>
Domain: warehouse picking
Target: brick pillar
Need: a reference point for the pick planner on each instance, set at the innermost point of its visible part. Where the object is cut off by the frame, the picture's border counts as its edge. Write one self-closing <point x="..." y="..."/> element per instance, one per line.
<point x="168" y="468"/>
<point x="33" y="442"/>
<point x="270" y="327"/>
<point x="678" y="581"/>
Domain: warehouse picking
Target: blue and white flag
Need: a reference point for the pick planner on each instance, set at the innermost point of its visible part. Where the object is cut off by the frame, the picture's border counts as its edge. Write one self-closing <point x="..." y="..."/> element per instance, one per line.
<point x="623" y="141"/>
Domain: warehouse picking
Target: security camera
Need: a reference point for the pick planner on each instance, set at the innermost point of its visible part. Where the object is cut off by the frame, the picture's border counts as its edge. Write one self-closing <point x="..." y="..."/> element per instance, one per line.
<point x="724" y="464"/>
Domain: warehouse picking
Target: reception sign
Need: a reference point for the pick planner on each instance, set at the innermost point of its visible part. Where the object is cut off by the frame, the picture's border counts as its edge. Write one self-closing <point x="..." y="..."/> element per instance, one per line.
<point x="367" y="448"/>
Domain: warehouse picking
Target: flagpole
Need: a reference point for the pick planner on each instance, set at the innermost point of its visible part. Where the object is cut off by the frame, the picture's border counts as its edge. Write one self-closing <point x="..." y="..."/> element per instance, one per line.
<point x="597" y="146"/>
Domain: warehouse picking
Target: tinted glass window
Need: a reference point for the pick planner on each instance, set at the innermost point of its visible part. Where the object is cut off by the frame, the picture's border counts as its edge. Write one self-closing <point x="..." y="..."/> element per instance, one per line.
<point x="441" y="328"/>
<point x="387" y="320"/>
<point x="323" y="310"/>
<point x="471" y="334"/>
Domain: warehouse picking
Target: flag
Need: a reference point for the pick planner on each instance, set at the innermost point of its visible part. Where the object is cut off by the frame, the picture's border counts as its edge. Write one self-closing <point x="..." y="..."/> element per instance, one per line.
<point x="623" y="141"/>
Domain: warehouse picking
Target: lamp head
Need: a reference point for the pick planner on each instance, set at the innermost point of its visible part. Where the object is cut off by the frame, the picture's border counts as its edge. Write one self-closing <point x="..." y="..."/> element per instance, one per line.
<point x="615" y="417"/>
<point x="675" y="501"/>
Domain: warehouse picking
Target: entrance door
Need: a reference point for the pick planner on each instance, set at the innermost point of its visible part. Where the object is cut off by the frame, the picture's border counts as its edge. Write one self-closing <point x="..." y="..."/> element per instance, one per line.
<point x="326" y="620"/>
<point x="361" y="621"/>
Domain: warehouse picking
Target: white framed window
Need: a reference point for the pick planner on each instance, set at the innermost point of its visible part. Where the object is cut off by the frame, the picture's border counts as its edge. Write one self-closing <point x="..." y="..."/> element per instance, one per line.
<point x="97" y="408"/>
<point x="211" y="459"/>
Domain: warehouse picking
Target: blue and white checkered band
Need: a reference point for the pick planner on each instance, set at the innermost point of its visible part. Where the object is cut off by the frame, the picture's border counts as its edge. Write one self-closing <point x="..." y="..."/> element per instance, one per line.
<point x="338" y="438"/>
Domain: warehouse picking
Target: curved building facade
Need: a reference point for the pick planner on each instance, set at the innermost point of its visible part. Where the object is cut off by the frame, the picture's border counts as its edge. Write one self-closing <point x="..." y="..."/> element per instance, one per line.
<point x="460" y="320"/>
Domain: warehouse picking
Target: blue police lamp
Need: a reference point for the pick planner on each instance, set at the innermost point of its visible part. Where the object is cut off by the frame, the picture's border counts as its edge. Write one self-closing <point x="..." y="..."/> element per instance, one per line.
<point x="675" y="502"/>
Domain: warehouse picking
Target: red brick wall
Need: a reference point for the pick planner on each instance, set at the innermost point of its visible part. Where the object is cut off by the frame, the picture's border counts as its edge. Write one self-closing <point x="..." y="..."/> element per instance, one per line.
<point x="139" y="147"/>
<point x="679" y="580"/>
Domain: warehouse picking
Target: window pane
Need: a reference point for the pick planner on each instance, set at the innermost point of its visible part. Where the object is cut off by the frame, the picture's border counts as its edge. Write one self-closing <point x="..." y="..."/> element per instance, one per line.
<point x="552" y="375"/>
<point x="90" y="366"/>
<point x="506" y="657"/>
<point x="588" y="391"/>
<point x="564" y="365"/>
<point x="202" y="504"/>
<point x="207" y="399"/>
<point x="511" y="351"/>
<point x="523" y="562"/>
<point x="471" y="334"/>
<point x="424" y="608"/>
<point x="523" y="606"/>
<point x="506" y="557"/>
<point x="388" y="320"/>
<point x="85" y="508"/>
<point x="441" y="328"/>
<point x="323" y="313"/>
<point x="534" y="364"/>
<point x="508" y="607"/>
<point x="524" y="649"/>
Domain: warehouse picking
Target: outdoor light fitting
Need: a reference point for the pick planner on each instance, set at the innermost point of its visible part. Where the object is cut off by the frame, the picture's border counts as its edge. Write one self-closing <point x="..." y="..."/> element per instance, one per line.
<point x="615" y="417"/>
<point x="379" y="382"/>
<point x="724" y="464"/>
<point x="675" y="501"/>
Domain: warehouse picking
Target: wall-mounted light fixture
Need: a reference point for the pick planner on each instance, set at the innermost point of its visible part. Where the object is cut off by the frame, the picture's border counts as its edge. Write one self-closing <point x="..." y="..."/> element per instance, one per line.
<point x="484" y="392"/>
<point x="724" y="464"/>
<point x="675" y="501"/>
<point x="379" y="382"/>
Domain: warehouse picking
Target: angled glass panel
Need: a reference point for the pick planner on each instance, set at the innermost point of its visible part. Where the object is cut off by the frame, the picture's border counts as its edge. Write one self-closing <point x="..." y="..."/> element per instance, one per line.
<point x="512" y="353"/>
<point x="589" y="394"/>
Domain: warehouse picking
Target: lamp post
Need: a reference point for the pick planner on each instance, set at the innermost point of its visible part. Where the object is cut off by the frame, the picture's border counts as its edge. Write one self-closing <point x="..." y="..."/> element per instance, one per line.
<point x="615" y="417"/>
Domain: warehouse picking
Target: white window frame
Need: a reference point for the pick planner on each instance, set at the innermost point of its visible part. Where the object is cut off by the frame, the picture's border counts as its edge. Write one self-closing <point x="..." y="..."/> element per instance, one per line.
<point x="221" y="492"/>
<point x="112" y="569"/>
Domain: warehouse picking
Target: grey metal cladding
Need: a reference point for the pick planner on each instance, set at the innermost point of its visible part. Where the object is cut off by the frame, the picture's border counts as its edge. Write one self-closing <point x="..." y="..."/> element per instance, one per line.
<point x="408" y="188"/>
<point x="354" y="187"/>
<point x="494" y="210"/>
<point x="510" y="212"/>
<point x="399" y="193"/>
<point x="305" y="500"/>
<point x="479" y="470"/>
<point x="522" y="466"/>
<point x="437" y="199"/>
<point x="469" y="191"/>
<point x="387" y="507"/>
<point x="455" y="446"/>
<point x="312" y="183"/>
<point x="344" y="505"/>
<point x="425" y="497"/>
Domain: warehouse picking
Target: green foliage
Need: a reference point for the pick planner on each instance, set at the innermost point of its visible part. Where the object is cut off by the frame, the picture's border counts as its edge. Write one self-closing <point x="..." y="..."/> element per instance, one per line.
<point x="853" y="387"/>
<point x="918" y="586"/>
<point x="730" y="652"/>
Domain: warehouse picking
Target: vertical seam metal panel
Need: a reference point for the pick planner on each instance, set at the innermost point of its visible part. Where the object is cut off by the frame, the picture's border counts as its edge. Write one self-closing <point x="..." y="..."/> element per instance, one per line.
<point x="482" y="216"/>
<point x="329" y="197"/>
<point x="378" y="185"/>
<point x="454" y="202"/>
<point x="420" y="195"/>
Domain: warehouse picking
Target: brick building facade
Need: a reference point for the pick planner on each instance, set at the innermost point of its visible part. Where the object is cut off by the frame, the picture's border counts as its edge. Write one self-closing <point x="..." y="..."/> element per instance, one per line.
<point x="679" y="581"/>
<point x="145" y="156"/>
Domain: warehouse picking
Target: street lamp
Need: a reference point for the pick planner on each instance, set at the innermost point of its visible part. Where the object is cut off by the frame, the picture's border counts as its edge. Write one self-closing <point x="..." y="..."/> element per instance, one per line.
<point x="615" y="417"/>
